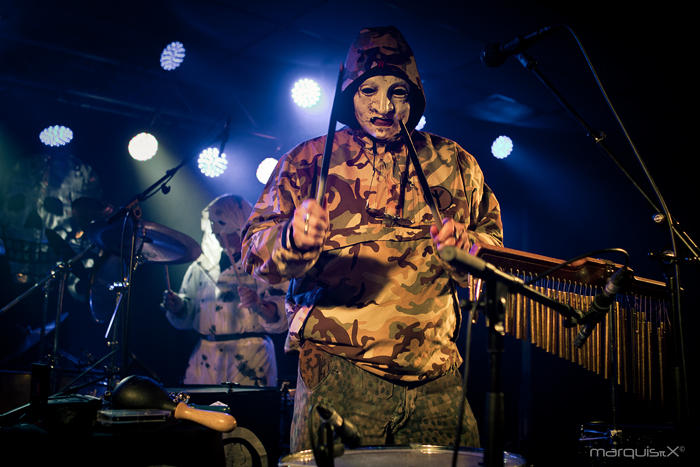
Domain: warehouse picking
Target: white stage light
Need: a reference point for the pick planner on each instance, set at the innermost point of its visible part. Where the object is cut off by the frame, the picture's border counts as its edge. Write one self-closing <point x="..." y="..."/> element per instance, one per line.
<point x="502" y="147"/>
<point x="172" y="56"/>
<point x="143" y="146"/>
<point x="306" y="93"/>
<point x="211" y="163"/>
<point x="265" y="169"/>
<point x="56" y="135"/>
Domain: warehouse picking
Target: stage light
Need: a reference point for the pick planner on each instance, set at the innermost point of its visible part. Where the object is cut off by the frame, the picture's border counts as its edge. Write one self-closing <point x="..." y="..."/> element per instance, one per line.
<point x="502" y="147"/>
<point x="265" y="169"/>
<point x="172" y="56"/>
<point x="56" y="135"/>
<point x="211" y="163"/>
<point x="421" y="123"/>
<point x="306" y="93"/>
<point x="143" y="146"/>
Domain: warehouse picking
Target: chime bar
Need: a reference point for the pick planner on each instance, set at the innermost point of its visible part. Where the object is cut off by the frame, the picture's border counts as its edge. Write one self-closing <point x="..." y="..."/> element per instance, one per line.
<point x="630" y="346"/>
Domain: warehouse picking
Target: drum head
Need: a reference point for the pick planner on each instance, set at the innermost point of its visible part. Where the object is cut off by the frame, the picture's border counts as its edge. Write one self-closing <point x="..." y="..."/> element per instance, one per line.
<point x="413" y="456"/>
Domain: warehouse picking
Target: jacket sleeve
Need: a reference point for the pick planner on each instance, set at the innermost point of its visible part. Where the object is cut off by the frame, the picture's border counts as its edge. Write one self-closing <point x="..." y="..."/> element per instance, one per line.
<point x="483" y="210"/>
<point x="267" y="252"/>
<point x="485" y="225"/>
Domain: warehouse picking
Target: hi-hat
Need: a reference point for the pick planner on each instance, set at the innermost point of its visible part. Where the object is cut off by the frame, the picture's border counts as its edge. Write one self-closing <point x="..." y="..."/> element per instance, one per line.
<point x="154" y="243"/>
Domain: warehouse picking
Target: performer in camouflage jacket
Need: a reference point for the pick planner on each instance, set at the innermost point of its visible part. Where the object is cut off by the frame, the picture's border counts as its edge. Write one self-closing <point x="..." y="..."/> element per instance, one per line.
<point x="371" y="307"/>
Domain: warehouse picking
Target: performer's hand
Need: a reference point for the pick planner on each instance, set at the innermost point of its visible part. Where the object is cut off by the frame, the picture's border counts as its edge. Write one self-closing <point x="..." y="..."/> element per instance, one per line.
<point x="310" y="225"/>
<point x="251" y="300"/>
<point x="172" y="302"/>
<point x="249" y="297"/>
<point x="451" y="234"/>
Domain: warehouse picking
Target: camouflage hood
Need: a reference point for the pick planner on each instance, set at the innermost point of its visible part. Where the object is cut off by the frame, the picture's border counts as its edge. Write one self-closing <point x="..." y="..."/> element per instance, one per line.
<point x="379" y="51"/>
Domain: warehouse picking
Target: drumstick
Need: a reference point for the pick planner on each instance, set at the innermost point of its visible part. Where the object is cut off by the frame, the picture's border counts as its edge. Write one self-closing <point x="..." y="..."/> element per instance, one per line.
<point x="328" y="149"/>
<point x="427" y="195"/>
<point x="167" y="278"/>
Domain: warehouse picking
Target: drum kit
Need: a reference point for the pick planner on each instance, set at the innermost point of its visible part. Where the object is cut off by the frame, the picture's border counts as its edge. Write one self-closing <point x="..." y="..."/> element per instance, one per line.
<point x="123" y="242"/>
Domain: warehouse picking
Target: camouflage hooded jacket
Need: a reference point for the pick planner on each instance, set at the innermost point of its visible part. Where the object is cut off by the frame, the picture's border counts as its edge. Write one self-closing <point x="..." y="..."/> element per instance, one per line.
<point x="375" y="293"/>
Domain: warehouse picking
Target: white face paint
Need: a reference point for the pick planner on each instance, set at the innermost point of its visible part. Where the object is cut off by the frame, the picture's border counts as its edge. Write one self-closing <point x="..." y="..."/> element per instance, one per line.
<point x="380" y="103"/>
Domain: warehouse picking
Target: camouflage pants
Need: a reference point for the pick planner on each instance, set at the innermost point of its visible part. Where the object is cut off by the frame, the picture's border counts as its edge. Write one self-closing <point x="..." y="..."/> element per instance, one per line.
<point x="385" y="413"/>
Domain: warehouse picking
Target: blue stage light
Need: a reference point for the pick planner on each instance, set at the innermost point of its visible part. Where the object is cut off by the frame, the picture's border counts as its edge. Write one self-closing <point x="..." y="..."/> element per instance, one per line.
<point x="306" y="93"/>
<point x="143" y="146"/>
<point x="56" y="135"/>
<point x="211" y="163"/>
<point x="502" y="147"/>
<point x="172" y="56"/>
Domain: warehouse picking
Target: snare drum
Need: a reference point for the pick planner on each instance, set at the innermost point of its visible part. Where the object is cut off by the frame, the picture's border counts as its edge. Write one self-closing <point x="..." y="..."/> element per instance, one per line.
<point x="411" y="456"/>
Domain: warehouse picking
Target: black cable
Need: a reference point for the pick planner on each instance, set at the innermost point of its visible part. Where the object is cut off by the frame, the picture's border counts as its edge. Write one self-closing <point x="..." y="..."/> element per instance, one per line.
<point x="463" y="400"/>
<point x="673" y="232"/>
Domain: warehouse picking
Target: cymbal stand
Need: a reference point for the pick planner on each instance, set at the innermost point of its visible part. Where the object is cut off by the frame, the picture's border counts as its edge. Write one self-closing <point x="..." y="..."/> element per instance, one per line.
<point x="119" y="322"/>
<point x="60" y="271"/>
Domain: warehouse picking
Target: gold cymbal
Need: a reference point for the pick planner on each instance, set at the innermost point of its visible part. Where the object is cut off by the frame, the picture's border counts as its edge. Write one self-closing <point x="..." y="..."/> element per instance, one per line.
<point x="154" y="243"/>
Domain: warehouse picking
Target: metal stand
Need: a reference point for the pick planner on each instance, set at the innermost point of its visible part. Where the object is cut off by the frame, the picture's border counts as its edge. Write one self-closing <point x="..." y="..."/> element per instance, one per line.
<point x="44" y="380"/>
<point x="682" y="410"/>
<point x="119" y="323"/>
<point x="60" y="271"/>
<point x="323" y="454"/>
<point x="498" y="285"/>
<point x="496" y="294"/>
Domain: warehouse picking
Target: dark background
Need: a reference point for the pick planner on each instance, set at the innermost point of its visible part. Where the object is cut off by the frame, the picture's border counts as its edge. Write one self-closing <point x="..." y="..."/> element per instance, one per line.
<point x="94" y="66"/>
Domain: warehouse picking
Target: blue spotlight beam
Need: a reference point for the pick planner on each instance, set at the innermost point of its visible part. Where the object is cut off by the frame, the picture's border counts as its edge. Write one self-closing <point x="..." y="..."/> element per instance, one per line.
<point x="321" y="190"/>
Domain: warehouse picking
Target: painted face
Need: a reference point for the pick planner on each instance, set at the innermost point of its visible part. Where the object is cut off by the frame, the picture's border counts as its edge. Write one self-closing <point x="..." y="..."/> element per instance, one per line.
<point x="380" y="103"/>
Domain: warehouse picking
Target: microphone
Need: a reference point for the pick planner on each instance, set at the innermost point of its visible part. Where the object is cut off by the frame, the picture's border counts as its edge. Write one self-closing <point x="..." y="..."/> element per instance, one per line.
<point x="346" y="430"/>
<point x="496" y="54"/>
<point x="601" y="304"/>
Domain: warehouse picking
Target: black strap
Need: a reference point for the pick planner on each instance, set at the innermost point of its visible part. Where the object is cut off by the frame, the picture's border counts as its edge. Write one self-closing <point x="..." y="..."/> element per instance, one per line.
<point x="232" y="337"/>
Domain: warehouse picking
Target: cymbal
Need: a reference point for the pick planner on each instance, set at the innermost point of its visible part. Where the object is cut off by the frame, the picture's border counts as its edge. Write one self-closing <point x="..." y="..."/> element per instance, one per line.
<point x="155" y="243"/>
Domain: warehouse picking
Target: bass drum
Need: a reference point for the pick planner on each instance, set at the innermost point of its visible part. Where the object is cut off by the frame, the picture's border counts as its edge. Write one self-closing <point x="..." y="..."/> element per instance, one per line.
<point x="414" y="456"/>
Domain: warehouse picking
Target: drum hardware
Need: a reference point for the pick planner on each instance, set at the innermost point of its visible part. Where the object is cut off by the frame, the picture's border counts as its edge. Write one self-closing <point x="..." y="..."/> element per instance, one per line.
<point x="324" y="446"/>
<point x="414" y="455"/>
<point x="498" y="285"/>
<point x="148" y="242"/>
<point x="118" y="286"/>
<point x="58" y="273"/>
<point x="134" y="241"/>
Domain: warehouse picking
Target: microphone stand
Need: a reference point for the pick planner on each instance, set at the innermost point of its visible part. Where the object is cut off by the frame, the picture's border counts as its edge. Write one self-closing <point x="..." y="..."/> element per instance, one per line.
<point x="131" y="211"/>
<point x="323" y="445"/>
<point x="43" y="373"/>
<point x="498" y="285"/>
<point x="672" y="273"/>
